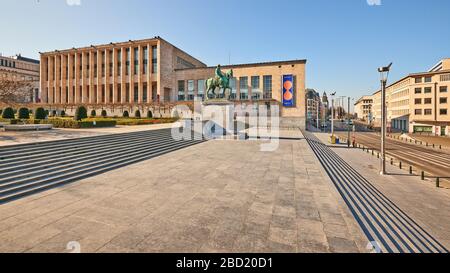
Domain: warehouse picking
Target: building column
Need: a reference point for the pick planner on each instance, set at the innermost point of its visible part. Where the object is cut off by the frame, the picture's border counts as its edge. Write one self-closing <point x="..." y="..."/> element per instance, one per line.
<point x="99" y="81"/>
<point x="123" y="76"/>
<point x="107" y="79"/>
<point x="77" y="81"/>
<point x="92" y="99"/>
<point x="70" y="78"/>
<point x="58" y="79"/>
<point x="149" y="74"/>
<point x="44" y="79"/>
<point x="63" y="78"/>
<point x="131" y="76"/>
<point x="115" y="75"/>
<point x="84" y="80"/>
<point x="140" y="74"/>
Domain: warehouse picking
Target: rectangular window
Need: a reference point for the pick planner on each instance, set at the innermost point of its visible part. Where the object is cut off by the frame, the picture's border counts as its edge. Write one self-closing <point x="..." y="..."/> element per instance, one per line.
<point x="418" y="80"/>
<point x="103" y="94"/>
<point x="443" y="100"/>
<point x="103" y="63"/>
<point x="256" y="91"/>
<point x="136" y="93"/>
<point x="428" y="112"/>
<point x="267" y="87"/>
<point x="427" y="101"/>
<point x="111" y="93"/>
<point x="243" y="84"/>
<point x="418" y="91"/>
<point x="155" y="59"/>
<point x="144" y="94"/>
<point x="119" y="63"/>
<point x="443" y="112"/>
<point x="127" y="71"/>
<point x="427" y="90"/>
<point x="201" y="88"/>
<point x="145" y="62"/>
<point x="443" y="89"/>
<point x="136" y="60"/>
<point x="190" y="84"/>
<point x="127" y="93"/>
<point x="181" y="94"/>
<point x="418" y="112"/>
<point x="418" y="101"/>
<point x="119" y="93"/>
<point x="111" y="66"/>
<point x="428" y="79"/>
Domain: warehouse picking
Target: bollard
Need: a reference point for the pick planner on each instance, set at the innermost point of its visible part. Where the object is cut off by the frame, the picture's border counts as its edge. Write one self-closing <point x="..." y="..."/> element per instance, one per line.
<point x="378" y="155"/>
<point x="422" y="176"/>
<point x="400" y="165"/>
<point x="433" y="145"/>
<point x="438" y="182"/>
<point x="373" y="152"/>
<point x="427" y="144"/>
<point x="410" y="170"/>
<point x="440" y="147"/>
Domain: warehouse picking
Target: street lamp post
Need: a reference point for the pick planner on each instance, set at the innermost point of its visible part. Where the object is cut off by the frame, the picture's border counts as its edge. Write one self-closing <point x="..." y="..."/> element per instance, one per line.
<point x="332" y="113"/>
<point x="348" y="120"/>
<point x="317" y="110"/>
<point x="384" y="74"/>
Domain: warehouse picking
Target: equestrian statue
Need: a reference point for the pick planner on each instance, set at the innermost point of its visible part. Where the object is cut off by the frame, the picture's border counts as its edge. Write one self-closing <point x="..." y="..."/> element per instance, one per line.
<point x="221" y="81"/>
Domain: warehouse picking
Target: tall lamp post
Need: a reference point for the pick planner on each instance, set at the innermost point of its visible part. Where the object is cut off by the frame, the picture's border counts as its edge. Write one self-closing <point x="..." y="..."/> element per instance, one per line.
<point x="332" y="113"/>
<point x="384" y="74"/>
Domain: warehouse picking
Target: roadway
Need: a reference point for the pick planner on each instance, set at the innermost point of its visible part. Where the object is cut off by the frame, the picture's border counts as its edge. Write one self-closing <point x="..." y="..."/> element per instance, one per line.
<point x="434" y="162"/>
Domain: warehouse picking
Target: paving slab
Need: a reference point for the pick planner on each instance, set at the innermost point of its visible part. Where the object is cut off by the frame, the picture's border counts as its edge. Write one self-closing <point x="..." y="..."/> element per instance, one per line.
<point x="218" y="196"/>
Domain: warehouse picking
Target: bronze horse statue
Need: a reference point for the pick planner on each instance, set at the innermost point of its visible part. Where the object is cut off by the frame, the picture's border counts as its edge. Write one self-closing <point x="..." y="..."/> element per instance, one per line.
<point x="221" y="81"/>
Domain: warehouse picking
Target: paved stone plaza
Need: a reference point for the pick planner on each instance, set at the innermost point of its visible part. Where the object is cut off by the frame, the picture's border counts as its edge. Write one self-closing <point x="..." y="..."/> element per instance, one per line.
<point x="219" y="196"/>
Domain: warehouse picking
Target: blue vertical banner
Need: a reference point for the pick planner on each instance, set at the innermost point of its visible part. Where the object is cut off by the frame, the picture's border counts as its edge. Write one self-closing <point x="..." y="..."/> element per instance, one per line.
<point x="288" y="91"/>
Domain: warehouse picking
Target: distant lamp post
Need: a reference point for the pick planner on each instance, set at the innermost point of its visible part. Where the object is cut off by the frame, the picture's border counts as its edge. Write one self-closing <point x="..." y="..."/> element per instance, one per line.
<point x="384" y="74"/>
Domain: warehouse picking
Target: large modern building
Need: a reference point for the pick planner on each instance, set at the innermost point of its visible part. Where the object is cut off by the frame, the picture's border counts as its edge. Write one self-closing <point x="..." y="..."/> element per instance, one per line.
<point x="363" y="109"/>
<point x="418" y="103"/>
<point x="22" y="69"/>
<point x="140" y="74"/>
<point x="314" y="107"/>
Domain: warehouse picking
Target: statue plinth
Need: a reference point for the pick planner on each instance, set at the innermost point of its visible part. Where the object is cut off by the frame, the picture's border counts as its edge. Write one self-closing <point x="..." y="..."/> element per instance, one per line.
<point x="219" y="117"/>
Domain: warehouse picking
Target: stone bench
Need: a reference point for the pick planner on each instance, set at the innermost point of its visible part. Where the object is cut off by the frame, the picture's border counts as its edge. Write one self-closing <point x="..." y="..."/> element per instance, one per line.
<point x="28" y="127"/>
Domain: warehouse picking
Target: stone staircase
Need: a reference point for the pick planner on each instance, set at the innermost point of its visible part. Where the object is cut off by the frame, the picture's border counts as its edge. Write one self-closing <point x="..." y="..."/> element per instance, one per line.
<point x="31" y="168"/>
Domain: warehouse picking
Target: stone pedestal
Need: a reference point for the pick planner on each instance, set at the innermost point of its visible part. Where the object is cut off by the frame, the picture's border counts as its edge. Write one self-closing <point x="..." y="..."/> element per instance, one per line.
<point x="218" y="116"/>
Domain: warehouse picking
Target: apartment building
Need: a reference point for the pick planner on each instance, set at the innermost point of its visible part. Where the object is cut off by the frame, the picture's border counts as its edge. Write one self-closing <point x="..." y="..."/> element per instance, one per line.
<point x="19" y="68"/>
<point x="363" y="109"/>
<point x="419" y="102"/>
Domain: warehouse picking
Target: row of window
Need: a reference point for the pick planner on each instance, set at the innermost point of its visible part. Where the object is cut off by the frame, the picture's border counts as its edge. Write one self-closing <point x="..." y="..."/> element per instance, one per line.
<point x="428" y="90"/>
<point x="429" y="101"/>
<point x="145" y="55"/>
<point x="257" y="93"/>
<point x="429" y="112"/>
<point x="7" y="63"/>
<point x="103" y="98"/>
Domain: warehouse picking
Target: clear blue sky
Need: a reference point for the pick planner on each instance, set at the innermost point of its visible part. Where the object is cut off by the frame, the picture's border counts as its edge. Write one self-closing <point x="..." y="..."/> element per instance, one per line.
<point x="341" y="39"/>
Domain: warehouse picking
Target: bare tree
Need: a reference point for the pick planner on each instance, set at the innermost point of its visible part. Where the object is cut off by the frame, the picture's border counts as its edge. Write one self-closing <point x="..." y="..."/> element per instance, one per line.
<point x="14" y="91"/>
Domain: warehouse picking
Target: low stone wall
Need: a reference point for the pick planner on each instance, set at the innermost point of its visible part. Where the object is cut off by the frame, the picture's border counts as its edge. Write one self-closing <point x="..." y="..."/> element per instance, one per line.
<point x="28" y="127"/>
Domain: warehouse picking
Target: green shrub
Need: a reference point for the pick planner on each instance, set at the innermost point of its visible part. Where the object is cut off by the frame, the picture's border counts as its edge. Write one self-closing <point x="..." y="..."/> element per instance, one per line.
<point x="40" y="113"/>
<point x="93" y="113"/>
<point x="137" y="114"/>
<point x="126" y="114"/>
<point x="47" y="113"/>
<point x="98" y="124"/>
<point x="14" y="121"/>
<point x="75" y="124"/>
<point x="24" y="113"/>
<point x="63" y="113"/>
<point x="104" y="114"/>
<point x="80" y="113"/>
<point x="149" y="114"/>
<point x="8" y="113"/>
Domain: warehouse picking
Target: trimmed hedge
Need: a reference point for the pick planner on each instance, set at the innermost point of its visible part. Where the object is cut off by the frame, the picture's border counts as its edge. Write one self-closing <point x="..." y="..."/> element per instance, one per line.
<point x="8" y="113"/>
<point x="24" y="113"/>
<point x="128" y="122"/>
<point x="40" y="113"/>
<point x="80" y="113"/>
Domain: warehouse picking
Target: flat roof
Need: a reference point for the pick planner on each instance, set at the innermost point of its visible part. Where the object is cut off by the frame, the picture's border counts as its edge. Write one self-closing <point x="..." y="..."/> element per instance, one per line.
<point x="299" y="61"/>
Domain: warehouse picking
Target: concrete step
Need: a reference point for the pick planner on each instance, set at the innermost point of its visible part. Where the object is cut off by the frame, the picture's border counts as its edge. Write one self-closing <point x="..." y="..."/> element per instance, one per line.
<point x="50" y="157"/>
<point x="380" y="219"/>
<point x="77" y="161"/>
<point x="85" y="143"/>
<point x="45" y="184"/>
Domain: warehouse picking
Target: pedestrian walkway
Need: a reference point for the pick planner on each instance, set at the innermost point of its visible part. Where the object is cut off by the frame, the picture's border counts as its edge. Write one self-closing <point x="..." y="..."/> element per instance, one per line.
<point x="399" y="211"/>
<point x="219" y="196"/>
